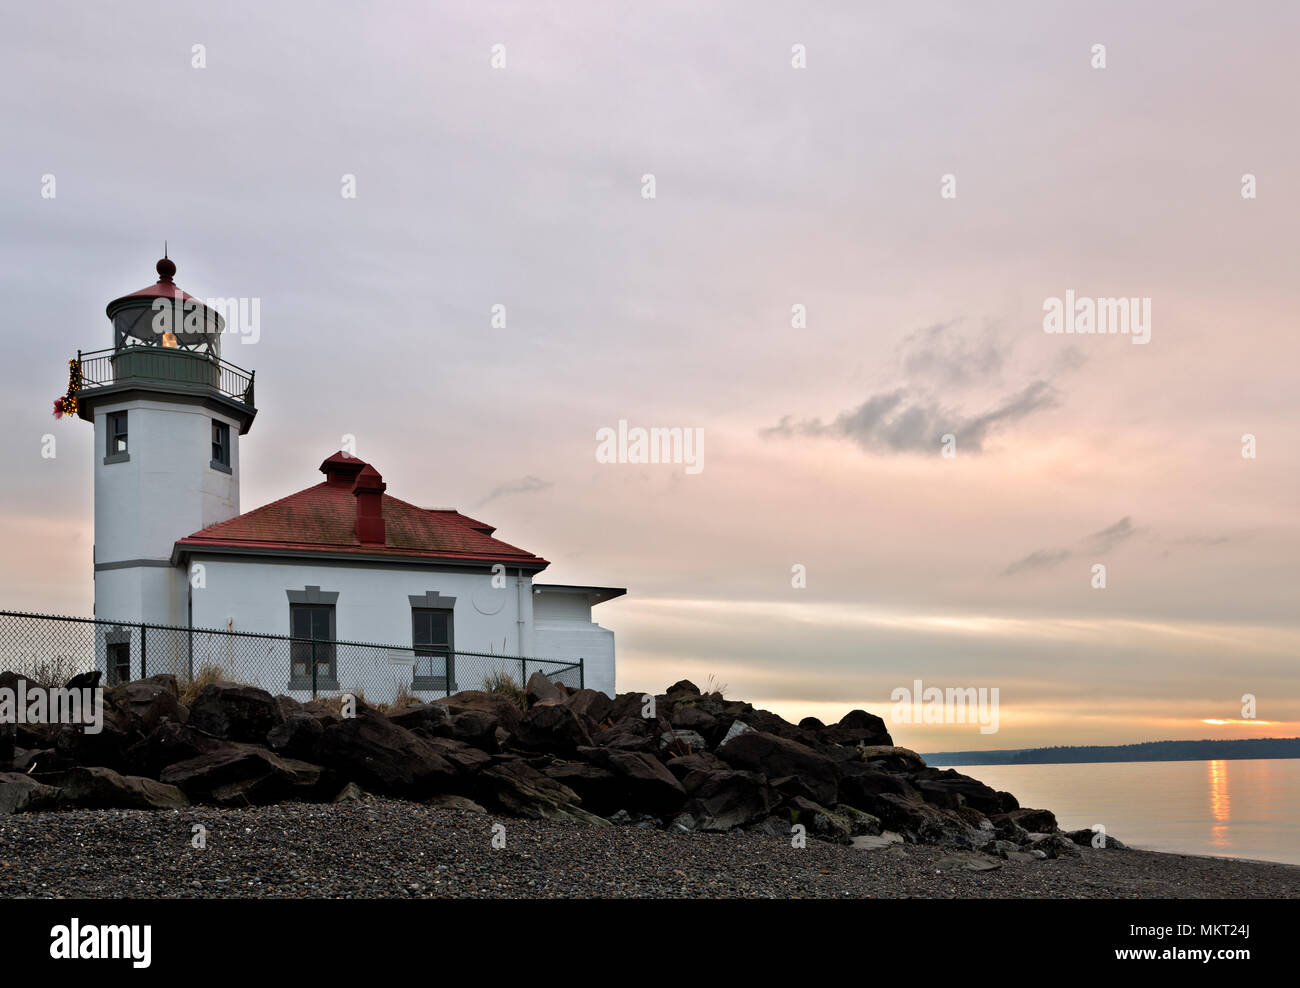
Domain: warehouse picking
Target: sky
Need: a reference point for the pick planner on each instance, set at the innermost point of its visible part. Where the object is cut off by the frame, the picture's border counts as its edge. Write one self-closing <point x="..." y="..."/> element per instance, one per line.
<point x="859" y="212"/>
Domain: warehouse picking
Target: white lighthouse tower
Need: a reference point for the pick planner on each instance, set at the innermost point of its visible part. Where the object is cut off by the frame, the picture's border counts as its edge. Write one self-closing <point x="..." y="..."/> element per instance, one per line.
<point x="168" y="414"/>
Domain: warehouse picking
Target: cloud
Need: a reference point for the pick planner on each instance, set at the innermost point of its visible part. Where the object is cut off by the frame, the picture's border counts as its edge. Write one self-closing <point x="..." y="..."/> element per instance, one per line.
<point x="524" y="485"/>
<point x="1108" y="538"/>
<point x="1042" y="559"/>
<point x="1103" y="541"/>
<point x="938" y="354"/>
<point x="902" y="421"/>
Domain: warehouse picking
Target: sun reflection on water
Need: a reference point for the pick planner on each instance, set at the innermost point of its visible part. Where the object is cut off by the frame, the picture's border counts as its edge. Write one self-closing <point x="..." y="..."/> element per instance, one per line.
<point x="1220" y="803"/>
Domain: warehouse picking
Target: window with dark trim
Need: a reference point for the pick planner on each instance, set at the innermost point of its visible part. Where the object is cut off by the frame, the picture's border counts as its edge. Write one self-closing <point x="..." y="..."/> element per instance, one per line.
<point x="115" y="423"/>
<point x="431" y="640"/>
<point x="119" y="663"/>
<point x="312" y="628"/>
<point x="220" y="445"/>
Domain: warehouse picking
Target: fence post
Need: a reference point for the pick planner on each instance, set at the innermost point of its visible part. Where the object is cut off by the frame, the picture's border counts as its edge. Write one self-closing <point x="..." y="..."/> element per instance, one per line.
<point x="144" y="652"/>
<point x="523" y="671"/>
<point x="313" y="668"/>
<point x="582" y="673"/>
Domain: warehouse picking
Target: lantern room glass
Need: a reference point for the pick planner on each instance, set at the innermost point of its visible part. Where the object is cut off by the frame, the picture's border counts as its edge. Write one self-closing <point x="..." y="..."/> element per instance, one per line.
<point x="180" y="324"/>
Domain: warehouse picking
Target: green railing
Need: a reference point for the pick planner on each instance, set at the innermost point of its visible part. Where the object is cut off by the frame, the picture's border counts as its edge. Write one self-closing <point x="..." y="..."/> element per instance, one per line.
<point x="186" y="368"/>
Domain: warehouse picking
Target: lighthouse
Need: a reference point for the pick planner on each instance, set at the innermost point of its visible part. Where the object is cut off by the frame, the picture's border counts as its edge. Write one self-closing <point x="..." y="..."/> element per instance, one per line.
<point x="168" y="413"/>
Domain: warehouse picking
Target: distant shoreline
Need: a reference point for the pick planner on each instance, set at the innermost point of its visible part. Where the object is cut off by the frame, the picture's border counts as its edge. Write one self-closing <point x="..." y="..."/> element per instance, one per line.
<point x="1149" y="751"/>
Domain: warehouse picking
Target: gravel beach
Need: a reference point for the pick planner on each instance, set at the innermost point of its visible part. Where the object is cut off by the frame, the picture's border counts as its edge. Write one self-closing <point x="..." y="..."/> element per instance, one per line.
<point x="384" y="848"/>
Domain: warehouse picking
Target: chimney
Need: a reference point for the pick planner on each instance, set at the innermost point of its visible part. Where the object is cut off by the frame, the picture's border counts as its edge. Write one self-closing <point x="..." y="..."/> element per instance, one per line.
<point x="369" y="492"/>
<point x="341" y="470"/>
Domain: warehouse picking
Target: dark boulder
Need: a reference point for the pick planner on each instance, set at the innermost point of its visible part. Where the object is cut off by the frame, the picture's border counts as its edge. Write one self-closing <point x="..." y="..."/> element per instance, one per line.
<point x="21" y="793"/>
<point x="381" y="757"/>
<point x="518" y="788"/>
<point x="600" y="790"/>
<point x="96" y="787"/>
<point x="700" y="761"/>
<point x="477" y="728"/>
<point x="592" y="705"/>
<point x="297" y="736"/>
<point x="1034" y="821"/>
<point x="644" y="781"/>
<point x="950" y="790"/>
<point x="683" y="687"/>
<point x="721" y="800"/>
<point x="504" y="709"/>
<point x="467" y="759"/>
<point x="148" y="702"/>
<point x="236" y="774"/>
<point x="775" y="757"/>
<point x="429" y="720"/>
<point x="540" y="690"/>
<point x="167" y="744"/>
<point x="235" y="712"/>
<point x="555" y="729"/>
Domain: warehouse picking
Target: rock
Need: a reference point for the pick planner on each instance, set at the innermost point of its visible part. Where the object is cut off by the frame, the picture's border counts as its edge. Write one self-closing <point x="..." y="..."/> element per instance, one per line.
<point x="429" y="720"/>
<point x="551" y="728"/>
<point x="298" y="736"/>
<point x="643" y="780"/>
<point x="1090" y="838"/>
<point x="1043" y="821"/>
<point x="736" y="729"/>
<point x="875" y="842"/>
<point x="107" y="748"/>
<point x="96" y="787"/>
<point x="524" y="791"/>
<point x="476" y="728"/>
<point x="691" y="717"/>
<point x="1054" y="846"/>
<point x="29" y="760"/>
<point x="149" y="702"/>
<point x="23" y="794"/>
<point x="627" y="735"/>
<point x="446" y="801"/>
<point x="681" y="742"/>
<point x="860" y="824"/>
<point x="237" y="774"/>
<point x="372" y="751"/>
<point x="621" y="818"/>
<point x="540" y="690"/>
<point x="857" y="727"/>
<point x="968" y="861"/>
<point x="235" y="712"/>
<point x="351" y="793"/>
<point x="684" y="686"/>
<point x="758" y="751"/>
<point x="89" y="680"/>
<point x="600" y="790"/>
<point x="592" y="705"/>
<point x="859" y="783"/>
<point x="812" y="724"/>
<point x="891" y="757"/>
<point x="726" y="799"/>
<point x="951" y="790"/>
<point x="466" y="759"/>
<point x="503" y="709"/>
<point x="170" y="742"/>
<point x="683" y="823"/>
<point x="1001" y="848"/>
<point x="698" y="761"/>
<point x="818" y="820"/>
<point x="920" y="822"/>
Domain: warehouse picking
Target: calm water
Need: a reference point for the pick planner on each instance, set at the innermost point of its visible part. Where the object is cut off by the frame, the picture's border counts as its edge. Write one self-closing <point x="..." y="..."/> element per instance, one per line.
<point x="1248" y="808"/>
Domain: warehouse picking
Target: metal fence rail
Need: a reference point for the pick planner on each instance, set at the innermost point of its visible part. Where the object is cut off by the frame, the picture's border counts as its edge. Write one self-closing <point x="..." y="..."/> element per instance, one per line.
<point x="52" y="649"/>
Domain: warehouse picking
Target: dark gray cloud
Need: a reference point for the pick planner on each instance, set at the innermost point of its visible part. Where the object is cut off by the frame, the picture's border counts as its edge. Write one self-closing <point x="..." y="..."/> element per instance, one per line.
<point x="523" y="485"/>
<point x="1103" y="541"/>
<point x="939" y="354"/>
<point x="1042" y="559"/>
<point x="1109" y="538"/>
<point x="903" y="421"/>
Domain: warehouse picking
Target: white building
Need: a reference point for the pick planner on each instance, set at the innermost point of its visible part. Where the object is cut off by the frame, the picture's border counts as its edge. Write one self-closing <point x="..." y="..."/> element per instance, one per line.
<point x="340" y="561"/>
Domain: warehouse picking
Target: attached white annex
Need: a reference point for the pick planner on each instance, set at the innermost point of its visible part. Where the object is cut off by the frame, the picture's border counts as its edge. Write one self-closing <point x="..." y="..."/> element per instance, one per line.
<point x="342" y="561"/>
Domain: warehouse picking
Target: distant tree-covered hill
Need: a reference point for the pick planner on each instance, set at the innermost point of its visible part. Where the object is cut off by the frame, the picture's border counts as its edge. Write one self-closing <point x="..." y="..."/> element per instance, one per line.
<point x="1149" y="751"/>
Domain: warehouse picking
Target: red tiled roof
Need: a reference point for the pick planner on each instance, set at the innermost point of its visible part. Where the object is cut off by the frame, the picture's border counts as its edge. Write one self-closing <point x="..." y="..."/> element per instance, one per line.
<point x="323" y="519"/>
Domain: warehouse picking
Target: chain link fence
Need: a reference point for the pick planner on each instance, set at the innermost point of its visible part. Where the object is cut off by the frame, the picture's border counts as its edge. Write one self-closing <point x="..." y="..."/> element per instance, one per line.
<point x="52" y="649"/>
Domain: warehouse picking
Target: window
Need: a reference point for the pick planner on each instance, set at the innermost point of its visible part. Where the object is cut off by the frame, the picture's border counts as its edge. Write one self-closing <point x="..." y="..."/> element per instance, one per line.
<point x="220" y="446"/>
<point x="431" y="640"/>
<point x="119" y="663"/>
<point x="116" y="429"/>
<point x="312" y="627"/>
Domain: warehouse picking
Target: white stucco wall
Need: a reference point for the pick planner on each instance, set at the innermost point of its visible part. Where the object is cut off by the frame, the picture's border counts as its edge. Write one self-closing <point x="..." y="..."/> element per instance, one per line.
<point x="166" y="490"/>
<point x="563" y="629"/>
<point x="248" y="593"/>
